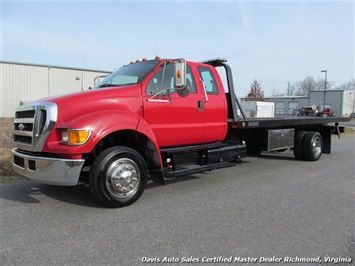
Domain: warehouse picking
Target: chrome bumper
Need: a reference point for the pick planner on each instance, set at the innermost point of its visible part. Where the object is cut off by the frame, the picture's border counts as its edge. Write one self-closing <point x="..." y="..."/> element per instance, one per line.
<point x="46" y="170"/>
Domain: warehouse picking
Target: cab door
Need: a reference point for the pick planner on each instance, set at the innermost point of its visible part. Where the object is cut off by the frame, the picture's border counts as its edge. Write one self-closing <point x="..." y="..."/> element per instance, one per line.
<point x="175" y="120"/>
<point x="215" y="109"/>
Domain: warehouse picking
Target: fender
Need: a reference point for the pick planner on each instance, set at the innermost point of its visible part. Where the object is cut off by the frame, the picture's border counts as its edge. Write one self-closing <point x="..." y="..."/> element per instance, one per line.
<point x="101" y="124"/>
<point x="144" y="128"/>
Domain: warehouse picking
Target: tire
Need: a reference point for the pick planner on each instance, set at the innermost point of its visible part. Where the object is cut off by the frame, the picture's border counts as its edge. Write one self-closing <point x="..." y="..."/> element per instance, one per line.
<point x="114" y="162"/>
<point x="312" y="146"/>
<point x="298" y="145"/>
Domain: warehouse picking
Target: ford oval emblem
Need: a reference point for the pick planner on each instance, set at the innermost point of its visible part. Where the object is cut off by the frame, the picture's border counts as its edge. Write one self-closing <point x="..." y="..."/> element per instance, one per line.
<point x="21" y="127"/>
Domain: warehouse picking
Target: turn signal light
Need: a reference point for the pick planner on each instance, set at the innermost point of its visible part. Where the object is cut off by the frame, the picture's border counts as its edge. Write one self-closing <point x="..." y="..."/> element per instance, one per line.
<point x="75" y="136"/>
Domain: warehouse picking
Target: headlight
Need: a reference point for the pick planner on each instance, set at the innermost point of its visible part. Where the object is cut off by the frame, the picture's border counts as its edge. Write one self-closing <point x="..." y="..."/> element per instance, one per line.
<point x="74" y="136"/>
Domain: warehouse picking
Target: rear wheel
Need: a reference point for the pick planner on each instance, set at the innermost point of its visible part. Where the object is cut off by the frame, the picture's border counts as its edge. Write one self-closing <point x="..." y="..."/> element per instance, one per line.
<point x="118" y="176"/>
<point x="312" y="146"/>
<point x="298" y="145"/>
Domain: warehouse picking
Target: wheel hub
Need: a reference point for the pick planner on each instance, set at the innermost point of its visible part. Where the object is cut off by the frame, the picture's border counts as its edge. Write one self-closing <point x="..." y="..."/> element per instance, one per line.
<point x="123" y="178"/>
<point x="316" y="146"/>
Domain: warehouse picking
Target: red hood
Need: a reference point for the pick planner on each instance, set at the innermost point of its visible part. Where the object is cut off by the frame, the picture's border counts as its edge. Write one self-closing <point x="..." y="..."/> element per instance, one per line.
<point x="80" y="103"/>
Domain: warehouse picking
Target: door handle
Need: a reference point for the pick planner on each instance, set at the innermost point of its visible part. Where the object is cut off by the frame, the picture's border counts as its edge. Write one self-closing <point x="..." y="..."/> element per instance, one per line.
<point x="200" y="105"/>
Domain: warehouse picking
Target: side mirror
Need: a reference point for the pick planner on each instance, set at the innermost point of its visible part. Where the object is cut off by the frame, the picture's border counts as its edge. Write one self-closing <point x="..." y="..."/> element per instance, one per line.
<point x="183" y="92"/>
<point x="180" y="74"/>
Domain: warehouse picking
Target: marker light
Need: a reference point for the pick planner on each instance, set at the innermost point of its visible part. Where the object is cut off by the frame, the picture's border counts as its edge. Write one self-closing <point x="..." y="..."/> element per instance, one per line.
<point x="75" y="136"/>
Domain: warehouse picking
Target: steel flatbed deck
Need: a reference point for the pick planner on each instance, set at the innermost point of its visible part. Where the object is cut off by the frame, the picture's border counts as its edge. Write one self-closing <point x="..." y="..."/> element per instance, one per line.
<point x="276" y="122"/>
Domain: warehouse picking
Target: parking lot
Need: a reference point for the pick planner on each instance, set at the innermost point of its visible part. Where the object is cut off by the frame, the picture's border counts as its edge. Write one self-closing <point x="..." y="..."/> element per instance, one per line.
<point x="267" y="206"/>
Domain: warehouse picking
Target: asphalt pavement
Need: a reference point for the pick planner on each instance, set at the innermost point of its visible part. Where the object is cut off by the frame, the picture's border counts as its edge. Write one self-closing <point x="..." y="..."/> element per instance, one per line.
<point x="267" y="206"/>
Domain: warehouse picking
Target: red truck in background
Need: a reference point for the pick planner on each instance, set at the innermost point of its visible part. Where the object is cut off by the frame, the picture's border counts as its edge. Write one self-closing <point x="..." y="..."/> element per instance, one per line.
<point x="326" y="112"/>
<point x="153" y="119"/>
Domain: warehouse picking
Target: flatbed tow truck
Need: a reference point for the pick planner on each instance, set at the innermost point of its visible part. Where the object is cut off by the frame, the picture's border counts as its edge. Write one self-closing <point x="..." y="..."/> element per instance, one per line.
<point x="155" y="119"/>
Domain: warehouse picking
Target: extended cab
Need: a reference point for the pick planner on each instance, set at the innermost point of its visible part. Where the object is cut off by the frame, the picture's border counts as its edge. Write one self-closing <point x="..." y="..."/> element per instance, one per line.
<point x="153" y="119"/>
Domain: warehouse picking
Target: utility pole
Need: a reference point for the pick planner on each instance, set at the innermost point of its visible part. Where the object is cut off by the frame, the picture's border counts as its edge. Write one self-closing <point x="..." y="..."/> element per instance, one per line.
<point x="325" y="86"/>
<point x="288" y="88"/>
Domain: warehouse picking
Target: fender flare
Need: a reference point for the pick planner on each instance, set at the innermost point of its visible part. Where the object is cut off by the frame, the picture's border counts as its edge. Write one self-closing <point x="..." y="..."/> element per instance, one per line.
<point x="144" y="128"/>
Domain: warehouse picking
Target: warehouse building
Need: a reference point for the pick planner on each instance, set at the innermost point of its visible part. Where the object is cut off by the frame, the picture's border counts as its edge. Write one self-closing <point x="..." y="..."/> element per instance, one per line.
<point x="342" y="102"/>
<point x="22" y="82"/>
<point x="286" y="105"/>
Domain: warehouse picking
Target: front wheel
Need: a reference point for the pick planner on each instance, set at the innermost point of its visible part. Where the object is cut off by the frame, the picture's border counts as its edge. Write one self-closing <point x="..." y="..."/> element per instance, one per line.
<point x="118" y="176"/>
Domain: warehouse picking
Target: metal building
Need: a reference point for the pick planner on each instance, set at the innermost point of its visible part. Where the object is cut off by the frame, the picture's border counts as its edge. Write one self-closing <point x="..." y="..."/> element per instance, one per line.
<point x="286" y="105"/>
<point x="22" y="82"/>
<point x="342" y="102"/>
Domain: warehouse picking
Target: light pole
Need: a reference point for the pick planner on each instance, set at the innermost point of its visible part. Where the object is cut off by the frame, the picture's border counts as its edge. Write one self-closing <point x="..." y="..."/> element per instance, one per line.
<point x="325" y="86"/>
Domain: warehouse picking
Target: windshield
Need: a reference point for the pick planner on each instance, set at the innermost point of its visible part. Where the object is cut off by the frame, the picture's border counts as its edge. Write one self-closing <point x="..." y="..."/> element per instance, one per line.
<point x="128" y="74"/>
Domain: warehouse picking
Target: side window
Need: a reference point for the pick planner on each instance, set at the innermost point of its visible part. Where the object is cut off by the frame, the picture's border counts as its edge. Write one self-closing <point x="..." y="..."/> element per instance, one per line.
<point x="208" y="80"/>
<point x="155" y="85"/>
<point x="190" y="82"/>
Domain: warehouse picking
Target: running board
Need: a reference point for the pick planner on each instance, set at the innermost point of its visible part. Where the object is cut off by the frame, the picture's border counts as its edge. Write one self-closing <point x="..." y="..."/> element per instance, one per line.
<point x="162" y="176"/>
<point x="193" y="148"/>
<point x="197" y="169"/>
<point x="187" y="160"/>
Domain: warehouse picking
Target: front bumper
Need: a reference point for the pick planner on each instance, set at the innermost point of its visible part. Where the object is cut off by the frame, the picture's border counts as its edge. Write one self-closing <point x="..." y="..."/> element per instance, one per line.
<point x="47" y="170"/>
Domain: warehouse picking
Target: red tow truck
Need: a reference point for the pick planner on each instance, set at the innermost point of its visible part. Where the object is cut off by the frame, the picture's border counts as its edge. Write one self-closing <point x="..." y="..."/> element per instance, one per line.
<point x="154" y="119"/>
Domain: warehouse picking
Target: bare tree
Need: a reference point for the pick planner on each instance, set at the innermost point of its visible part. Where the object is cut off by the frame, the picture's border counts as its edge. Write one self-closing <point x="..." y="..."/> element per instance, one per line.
<point x="292" y="89"/>
<point x="303" y="87"/>
<point x="347" y="85"/>
<point x="255" y="93"/>
<point x="320" y="85"/>
<point x="276" y="93"/>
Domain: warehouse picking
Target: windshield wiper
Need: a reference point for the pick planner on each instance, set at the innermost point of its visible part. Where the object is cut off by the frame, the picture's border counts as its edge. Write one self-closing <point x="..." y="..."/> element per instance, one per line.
<point x="107" y="85"/>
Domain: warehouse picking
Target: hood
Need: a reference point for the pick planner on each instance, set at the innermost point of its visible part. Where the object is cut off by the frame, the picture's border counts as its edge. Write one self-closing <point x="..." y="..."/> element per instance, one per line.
<point x="77" y="104"/>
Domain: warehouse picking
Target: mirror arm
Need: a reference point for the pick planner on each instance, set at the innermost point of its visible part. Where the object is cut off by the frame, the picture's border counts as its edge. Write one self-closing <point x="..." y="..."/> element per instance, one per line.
<point x="168" y="90"/>
<point x="162" y="78"/>
<point x="157" y="94"/>
<point x="204" y="90"/>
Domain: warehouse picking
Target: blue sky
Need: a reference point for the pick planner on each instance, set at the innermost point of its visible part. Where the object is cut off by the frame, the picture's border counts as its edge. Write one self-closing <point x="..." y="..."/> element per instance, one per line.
<point x="273" y="42"/>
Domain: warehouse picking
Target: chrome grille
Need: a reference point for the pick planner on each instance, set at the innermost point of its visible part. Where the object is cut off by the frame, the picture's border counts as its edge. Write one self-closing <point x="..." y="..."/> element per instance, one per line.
<point x="32" y="125"/>
<point x="23" y="126"/>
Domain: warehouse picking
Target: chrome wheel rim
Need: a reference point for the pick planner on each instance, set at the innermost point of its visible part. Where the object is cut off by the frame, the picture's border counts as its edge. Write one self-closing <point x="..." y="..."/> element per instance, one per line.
<point x="123" y="178"/>
<point x="316" y="147"/>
